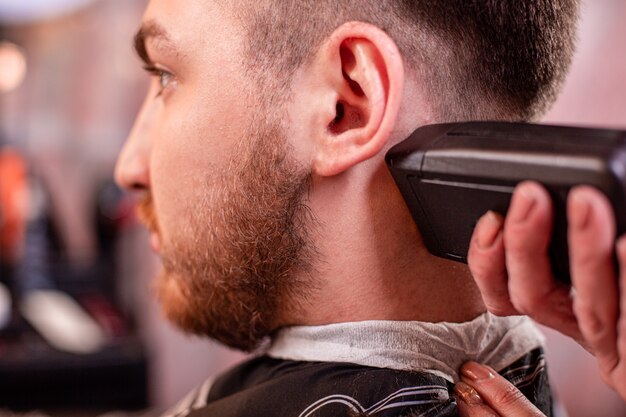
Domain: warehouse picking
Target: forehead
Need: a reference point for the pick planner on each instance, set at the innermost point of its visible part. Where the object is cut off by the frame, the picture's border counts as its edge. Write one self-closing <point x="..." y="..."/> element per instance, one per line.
<point x="191" y="24"/>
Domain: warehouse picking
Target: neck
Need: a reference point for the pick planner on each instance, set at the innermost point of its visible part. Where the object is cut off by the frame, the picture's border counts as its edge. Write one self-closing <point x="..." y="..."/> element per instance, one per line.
<point x="374" y="265"/>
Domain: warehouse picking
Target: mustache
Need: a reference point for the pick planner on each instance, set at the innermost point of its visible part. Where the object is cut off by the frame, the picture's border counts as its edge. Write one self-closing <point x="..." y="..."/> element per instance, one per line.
<point x="146" y="213"/>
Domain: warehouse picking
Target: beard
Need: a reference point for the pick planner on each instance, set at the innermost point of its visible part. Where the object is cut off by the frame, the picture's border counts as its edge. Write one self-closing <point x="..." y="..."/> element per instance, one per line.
<point x="242" y="267"/>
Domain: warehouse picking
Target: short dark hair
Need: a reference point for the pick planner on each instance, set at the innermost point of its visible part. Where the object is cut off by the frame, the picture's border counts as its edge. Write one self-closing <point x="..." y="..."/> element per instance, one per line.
<point x="480" y="59"/>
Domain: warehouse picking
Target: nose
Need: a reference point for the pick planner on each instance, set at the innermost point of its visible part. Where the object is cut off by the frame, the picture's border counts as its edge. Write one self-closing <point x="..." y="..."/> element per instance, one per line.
<point x="132" y="170"/>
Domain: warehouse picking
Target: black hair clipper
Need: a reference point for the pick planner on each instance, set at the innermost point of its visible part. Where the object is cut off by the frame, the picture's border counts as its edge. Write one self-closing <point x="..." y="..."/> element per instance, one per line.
<point x="452" y="174"/>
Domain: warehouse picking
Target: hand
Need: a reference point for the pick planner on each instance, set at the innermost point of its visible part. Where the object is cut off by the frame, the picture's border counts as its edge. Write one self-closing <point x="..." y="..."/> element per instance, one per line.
<point x="510" y="264"/>
<point x="483" y="393"/>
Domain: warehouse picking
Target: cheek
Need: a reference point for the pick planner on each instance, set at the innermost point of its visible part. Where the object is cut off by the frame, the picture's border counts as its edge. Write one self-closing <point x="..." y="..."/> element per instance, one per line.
<point x="178" y="180"/>
<point x="192" y="148"/>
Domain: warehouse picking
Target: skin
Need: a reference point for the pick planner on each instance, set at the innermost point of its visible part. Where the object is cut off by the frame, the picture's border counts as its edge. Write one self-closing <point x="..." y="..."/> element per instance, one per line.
<point x="370" y="263"/>
<point x="217" y="192"/>
<point x="509" y="263"/>
<point x="482" y="392"/>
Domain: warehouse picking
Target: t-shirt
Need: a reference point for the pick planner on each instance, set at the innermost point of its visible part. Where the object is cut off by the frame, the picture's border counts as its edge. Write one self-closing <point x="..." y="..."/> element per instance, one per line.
<point x="374" y="368"/>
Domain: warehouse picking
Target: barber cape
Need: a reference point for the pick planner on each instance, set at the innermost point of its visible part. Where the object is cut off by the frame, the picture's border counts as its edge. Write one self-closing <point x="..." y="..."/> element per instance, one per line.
<point x="373" y="368"/>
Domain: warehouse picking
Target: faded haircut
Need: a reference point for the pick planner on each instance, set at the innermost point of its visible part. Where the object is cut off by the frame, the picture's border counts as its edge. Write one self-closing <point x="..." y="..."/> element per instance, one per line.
<point x="479" y="59"/>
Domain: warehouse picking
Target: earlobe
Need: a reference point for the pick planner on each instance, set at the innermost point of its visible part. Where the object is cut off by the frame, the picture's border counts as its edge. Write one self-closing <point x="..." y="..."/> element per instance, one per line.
<point x="365" y="72"/>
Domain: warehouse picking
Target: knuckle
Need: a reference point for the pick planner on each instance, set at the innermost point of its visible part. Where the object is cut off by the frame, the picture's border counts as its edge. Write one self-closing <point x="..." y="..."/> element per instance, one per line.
<point x="515" y="242"/>
<point x="501" y="310"/>
<point x="490" y="278"/>
<point x="485" y="265"/>
<point x="606" y="377"/>
<point x="611" y="370"/>
<point x="500" y="294"/>
<point x="589" y="318"/>
<point x="528" y="305"/>
<point x="479" y="267"/>
<point x="617" y="369"/>
<point x="525" y="243"/>
<point x="589" y="257"/>
<point x="498" y="302"/>
<point x="526" y="237"/>
<point x="508" y="396"/>
<point x="521" y="257"/>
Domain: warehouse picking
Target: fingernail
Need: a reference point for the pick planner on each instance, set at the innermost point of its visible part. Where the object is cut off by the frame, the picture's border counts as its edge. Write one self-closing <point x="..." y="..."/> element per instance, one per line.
<point x="467" y="394"/>
<point x="477" y="372"/>
<point x="581" y="211"/>
<point x="523" y="202"/>
<point x="488" y="228"/>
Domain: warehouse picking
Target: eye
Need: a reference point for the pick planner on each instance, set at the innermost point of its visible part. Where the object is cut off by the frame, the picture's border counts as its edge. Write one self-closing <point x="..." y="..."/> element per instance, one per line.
<point x="164" y="77"/>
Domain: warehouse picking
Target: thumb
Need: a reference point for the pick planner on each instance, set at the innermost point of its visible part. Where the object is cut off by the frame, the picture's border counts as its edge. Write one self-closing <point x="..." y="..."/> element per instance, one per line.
<point x="498" y="394"/>
<point x="469" y="402"/>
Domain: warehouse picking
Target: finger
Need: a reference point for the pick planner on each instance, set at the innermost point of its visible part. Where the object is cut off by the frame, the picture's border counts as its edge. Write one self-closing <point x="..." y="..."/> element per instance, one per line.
<point x="617" y="376"/>
<point x="469" y="402"/>
<point x="502" y="396"/>
<point x="487" y="264"/>
<point x="591" y="230"/>
<point x="527" y="234"/>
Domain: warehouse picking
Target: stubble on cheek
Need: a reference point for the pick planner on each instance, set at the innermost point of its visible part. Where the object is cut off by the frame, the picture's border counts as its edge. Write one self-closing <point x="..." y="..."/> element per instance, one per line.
<point x="242" y="262"/>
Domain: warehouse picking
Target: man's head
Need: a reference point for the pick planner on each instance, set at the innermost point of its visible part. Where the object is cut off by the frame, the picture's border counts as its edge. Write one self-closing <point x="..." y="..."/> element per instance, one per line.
<point x="260" y="144"/>
<point x="478" y="58"/>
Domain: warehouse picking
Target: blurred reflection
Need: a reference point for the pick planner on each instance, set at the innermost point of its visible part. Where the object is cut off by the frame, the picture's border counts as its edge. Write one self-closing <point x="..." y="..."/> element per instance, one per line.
<point x="34" y="10"/>
<point x="12" y="67"/>
<point x="69" y="90"/>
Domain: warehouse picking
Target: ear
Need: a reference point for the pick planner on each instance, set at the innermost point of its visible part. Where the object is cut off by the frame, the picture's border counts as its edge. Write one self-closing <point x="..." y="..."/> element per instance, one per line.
<point x="362" y="76"/>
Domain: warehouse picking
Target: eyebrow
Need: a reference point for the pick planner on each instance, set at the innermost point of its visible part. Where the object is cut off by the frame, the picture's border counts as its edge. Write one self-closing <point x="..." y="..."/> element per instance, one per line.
<point x="150" y="30"/>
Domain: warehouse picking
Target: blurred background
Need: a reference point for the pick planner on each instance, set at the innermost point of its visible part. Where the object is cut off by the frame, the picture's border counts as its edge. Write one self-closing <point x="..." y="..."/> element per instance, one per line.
<point x="80" y="332"/>
<point x="83" y="333"/>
